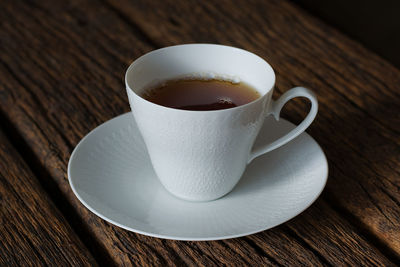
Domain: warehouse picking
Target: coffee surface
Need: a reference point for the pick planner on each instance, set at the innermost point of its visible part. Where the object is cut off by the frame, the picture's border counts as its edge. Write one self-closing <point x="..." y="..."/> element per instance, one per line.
<point x="201" y="94"/>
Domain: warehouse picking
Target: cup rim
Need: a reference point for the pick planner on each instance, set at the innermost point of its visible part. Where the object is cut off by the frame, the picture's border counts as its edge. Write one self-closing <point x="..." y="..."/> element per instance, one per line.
<point x="201" y="111"/>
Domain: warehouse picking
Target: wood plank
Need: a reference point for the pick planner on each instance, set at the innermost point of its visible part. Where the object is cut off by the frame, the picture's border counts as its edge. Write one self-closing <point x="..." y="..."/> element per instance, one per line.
<point x="359" y="93"/>
<point x="81" y="80"/>
<point x="32" y="230"/>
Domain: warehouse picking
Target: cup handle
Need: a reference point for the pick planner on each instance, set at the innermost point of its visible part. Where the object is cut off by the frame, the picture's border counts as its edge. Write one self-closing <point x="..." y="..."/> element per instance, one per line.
<point x="276" y="110"/>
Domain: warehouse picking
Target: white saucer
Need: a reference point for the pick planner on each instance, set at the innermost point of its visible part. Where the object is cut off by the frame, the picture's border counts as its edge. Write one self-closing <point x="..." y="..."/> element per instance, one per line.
<point x="111" y="174"/>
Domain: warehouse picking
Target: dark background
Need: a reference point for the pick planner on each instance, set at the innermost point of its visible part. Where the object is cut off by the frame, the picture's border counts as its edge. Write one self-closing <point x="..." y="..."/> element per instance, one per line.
<point x="375" y="24"/>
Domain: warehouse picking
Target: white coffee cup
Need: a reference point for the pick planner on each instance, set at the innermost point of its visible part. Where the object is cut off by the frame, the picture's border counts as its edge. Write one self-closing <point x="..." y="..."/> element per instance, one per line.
<point x="201" y="155"/>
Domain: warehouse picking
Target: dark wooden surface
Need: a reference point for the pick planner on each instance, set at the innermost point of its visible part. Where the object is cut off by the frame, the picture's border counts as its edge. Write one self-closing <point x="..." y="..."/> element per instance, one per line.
<point x="61" y="74"/>
<point x="32" y="230"/>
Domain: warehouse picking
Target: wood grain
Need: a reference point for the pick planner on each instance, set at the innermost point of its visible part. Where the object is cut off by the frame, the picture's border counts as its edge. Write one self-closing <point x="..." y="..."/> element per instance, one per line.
<point x="32" y="230"/>
<point x="61" y="74"/>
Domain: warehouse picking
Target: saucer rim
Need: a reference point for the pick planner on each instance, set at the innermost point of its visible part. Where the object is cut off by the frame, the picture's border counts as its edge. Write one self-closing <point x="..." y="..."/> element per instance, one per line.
<point x="176" y="237"/>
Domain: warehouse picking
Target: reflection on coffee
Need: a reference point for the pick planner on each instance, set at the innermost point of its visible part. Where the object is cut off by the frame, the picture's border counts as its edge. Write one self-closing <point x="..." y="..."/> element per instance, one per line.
<point x="201" y="94"/>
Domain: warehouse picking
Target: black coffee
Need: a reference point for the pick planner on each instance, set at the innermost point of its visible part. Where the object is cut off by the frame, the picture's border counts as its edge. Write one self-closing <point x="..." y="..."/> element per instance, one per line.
<point x="201" y="94"/>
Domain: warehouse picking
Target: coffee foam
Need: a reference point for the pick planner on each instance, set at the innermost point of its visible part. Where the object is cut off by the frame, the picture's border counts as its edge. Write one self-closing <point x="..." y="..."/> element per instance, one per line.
<point x="211" y="76"/>
<point x="206" y="76"/>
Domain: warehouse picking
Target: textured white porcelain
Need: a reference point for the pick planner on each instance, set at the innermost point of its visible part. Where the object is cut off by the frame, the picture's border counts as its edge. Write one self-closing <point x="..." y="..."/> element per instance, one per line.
<point x="111" y="174"/>
<point x="201" y="155"/>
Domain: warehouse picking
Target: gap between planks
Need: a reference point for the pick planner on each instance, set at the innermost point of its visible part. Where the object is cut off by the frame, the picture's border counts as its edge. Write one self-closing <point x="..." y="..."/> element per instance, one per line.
<point x="81" y="230"/>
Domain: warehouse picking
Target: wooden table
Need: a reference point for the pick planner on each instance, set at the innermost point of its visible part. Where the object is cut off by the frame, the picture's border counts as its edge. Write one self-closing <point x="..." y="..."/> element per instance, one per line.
<point x="61" y="74"/>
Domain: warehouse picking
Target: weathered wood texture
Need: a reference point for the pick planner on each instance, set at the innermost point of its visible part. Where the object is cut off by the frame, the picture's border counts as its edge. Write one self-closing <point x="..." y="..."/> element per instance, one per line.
<point x="61" y="74"/>
<point x="32" y="230"/>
